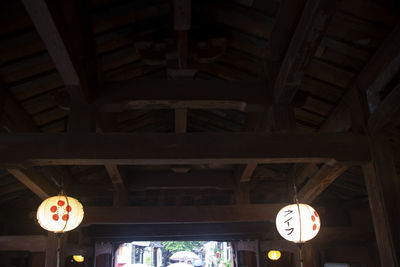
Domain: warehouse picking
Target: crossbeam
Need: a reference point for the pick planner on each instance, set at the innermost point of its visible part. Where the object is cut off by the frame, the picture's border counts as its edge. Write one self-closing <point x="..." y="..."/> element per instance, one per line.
<point x="181" y="94"/>
<point x="182" y="214"/>
<point x="188" y="148"/>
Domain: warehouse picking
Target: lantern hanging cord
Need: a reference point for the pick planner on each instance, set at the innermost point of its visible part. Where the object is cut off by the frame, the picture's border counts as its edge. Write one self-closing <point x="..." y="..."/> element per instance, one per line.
<point x="295" y="199"/>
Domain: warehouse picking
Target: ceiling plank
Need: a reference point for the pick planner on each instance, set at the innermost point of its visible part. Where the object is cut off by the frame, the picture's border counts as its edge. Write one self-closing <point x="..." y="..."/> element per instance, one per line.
<point x="66" y="34"/>
<point x="376" y="71"/>
<point x="188" y="148"/>
<point x="320" y="181"/>
<point x="181" y="214"/>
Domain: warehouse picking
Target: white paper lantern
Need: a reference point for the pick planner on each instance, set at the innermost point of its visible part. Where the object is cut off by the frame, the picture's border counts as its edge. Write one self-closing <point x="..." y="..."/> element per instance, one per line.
<point x="60" y="214"/>
<point x="298" y="223"/>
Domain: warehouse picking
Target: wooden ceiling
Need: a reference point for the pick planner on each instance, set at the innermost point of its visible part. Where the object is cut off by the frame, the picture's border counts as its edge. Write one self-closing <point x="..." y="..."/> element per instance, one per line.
<point x="277" y="70"/>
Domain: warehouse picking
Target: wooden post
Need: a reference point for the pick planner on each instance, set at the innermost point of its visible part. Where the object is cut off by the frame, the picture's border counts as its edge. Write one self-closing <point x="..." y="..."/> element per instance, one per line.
<point x="310" y="256"/>
<point x="52" y="250"/>
<point x="383" y="187"/>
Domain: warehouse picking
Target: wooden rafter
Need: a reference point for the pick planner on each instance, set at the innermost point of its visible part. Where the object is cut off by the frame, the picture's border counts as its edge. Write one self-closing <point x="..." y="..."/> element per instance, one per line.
<point x="68" y="39"/>
<point x="188" y="148"/>
<point x="35" y="181"/>
<point x="320" y="181"/>
<point x="339" y="120"/>
<point x="310" y="29"/>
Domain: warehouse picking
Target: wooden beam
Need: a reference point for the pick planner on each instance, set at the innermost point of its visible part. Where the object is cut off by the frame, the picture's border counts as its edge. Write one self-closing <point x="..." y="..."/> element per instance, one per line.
<point x="175" y="230"/>
<point x="188" y="148"/>
<point x="31" y="243"/>
<point x="196" y="94"/>
<point x="382" y="67"/>
<point x="320" y="181"/>
<point x="182" y="214"/>
<point x="121" y="196"/>
<point x="310" y="29"/>
<point x="35" y="182"/>
<point x="374" y="76"/>
<point x="66" y="33"/>
<point x="170" y="180"/>
<point x="247" y="172"/>
<point x="108" y="123"/>
<point x="383" y="186"/>
<point x="387" y="112"/>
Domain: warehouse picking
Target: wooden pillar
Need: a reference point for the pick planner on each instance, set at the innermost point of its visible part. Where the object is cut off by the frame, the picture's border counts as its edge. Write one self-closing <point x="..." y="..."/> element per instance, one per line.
<point x="383" y="187"/>
<point x="310" y="256"/>
<point x="51" y="250"/>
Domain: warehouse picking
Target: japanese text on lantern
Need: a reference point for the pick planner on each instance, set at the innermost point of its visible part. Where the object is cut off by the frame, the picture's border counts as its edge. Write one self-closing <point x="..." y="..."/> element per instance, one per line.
<point x="288" y="218"/>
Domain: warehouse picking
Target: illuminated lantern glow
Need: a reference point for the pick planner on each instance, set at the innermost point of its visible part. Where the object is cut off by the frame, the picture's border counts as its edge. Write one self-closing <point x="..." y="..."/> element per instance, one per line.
<point x="78" y="258"/>
<point x="60" y="214"/>
<point x="298" y="223"/>
<point x="274" y="255"/>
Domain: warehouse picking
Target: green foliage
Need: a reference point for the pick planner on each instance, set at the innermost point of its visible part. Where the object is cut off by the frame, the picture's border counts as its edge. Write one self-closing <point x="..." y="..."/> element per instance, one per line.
<point x="175" y="246"/>
<point x="228" y="264"/>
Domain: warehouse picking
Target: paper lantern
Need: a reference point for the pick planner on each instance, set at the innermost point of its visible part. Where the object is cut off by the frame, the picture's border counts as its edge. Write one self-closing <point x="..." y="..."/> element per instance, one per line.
<point x="298" y="223"/>
<point x="274" y="255"/>
<point x="60" y="214"/>
<point x="78" y="258"/>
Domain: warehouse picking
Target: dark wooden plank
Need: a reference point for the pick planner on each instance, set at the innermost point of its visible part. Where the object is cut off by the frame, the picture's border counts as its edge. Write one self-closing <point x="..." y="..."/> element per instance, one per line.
<point x="66" y="34"/>
<point x="182" y="214"/>
<point x="308" y="34"/>
<point x="188" y="148"/>
<point x="320" y="181"/>
<point x="148" y="94"/>
<point x="170" y="180"/>
<point x="383" y="186"/>
<point x="31" y="243"/>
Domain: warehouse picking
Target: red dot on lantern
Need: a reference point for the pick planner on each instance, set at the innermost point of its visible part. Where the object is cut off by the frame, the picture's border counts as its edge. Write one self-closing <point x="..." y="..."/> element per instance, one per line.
<point x="316" y="214"/>
<point x="55" y="217"/>
<point x="68" y="208"/>
<point x="65" y="217"/>
<point x="314" y="227"/>
<point x="313" y="218"/>
<point x="60" y="203"/>
<point x="53" y="209"/>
